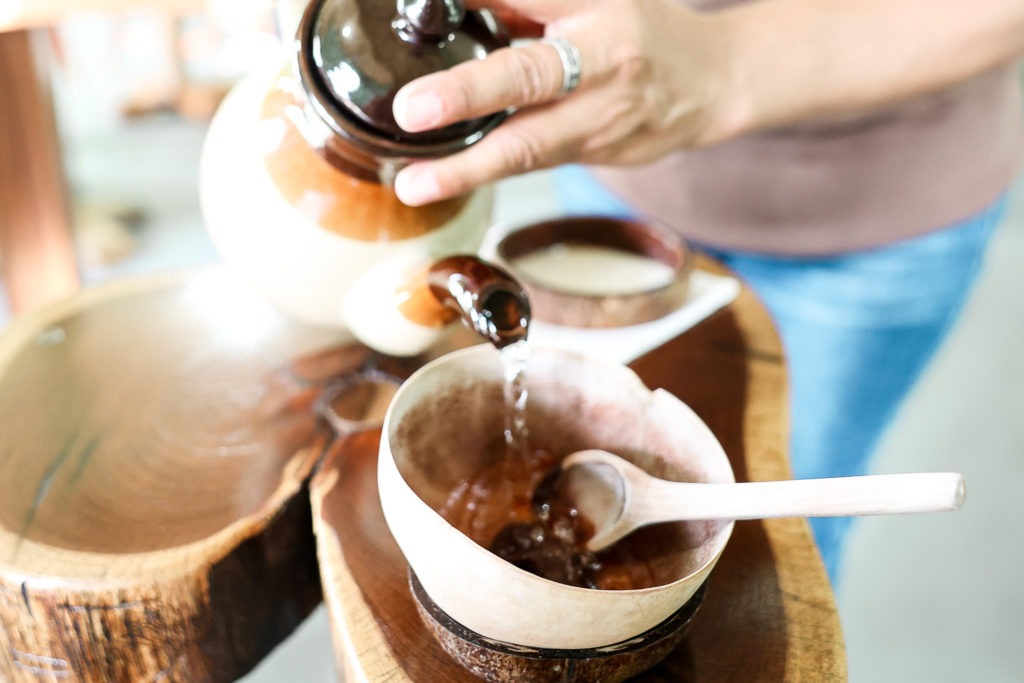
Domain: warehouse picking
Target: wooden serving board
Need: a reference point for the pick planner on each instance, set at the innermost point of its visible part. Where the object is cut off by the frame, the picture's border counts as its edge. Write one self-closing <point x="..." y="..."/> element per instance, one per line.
<point x="769" y="613"/>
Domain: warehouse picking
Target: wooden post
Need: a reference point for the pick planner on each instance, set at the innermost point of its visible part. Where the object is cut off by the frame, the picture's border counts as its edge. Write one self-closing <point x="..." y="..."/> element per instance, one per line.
<point x="36" y="248"/>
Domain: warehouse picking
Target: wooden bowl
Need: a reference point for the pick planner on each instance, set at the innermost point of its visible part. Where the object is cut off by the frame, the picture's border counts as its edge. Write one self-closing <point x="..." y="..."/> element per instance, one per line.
<point x="154" y="520"/>
<point x="599" y="299"/>
<point x="438" y="429"/>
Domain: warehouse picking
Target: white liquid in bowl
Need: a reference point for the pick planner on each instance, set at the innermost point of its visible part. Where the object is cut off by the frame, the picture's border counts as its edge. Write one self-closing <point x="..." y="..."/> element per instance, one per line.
<point x="593" y="270"/>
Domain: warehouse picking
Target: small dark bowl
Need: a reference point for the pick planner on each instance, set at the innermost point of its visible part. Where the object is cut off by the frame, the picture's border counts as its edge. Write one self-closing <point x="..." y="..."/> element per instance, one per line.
<point x="500" y="662"/>
<point x="601" y="310"/>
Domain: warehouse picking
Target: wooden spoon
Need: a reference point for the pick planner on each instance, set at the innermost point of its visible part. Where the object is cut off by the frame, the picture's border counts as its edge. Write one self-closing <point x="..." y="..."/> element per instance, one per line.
<point x="619" y="497"/>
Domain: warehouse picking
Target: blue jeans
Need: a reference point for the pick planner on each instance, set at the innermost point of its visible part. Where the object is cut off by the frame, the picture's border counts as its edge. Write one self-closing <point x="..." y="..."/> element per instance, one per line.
<point x="858" y="329"/>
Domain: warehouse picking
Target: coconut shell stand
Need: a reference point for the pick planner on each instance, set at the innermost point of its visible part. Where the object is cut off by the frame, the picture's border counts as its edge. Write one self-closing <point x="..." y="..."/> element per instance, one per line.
<point x="160" y="443"/>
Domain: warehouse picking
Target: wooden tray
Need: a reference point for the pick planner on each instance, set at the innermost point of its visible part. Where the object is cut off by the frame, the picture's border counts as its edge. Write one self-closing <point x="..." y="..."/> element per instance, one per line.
<point x="769" y="613"/>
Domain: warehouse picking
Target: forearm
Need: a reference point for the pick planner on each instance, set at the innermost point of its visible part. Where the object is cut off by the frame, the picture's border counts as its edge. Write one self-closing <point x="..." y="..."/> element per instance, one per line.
<point x="790" y="60"/>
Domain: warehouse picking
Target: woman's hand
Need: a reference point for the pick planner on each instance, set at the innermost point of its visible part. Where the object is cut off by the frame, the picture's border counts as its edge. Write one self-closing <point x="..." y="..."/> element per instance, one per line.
<point x="657" y="76"/>
<point x="652" y="71"/>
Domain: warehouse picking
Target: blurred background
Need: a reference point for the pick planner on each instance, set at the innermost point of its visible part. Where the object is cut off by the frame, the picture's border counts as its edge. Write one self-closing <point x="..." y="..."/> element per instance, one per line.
<point x="922" y="598"/>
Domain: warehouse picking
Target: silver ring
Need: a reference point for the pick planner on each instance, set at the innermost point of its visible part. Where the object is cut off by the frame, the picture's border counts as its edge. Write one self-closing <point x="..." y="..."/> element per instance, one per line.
<point x="569" y="54"/>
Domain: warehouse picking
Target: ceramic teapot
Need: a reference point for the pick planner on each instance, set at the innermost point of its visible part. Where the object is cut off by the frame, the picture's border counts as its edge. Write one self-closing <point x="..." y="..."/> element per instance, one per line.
<point x="296" y="171"/>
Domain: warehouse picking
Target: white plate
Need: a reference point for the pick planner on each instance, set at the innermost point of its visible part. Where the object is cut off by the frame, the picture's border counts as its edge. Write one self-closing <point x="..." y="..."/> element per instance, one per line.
<point x="708" y="292"/>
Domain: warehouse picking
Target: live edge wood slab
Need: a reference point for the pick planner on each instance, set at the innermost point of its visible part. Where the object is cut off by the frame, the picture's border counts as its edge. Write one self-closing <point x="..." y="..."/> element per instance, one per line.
<point x="768" y="615"/>
<point x="158" y="445"/>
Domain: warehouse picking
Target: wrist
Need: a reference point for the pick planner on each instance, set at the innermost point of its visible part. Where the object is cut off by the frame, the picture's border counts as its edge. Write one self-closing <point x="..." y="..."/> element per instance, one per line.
<point x="730" y="109"/>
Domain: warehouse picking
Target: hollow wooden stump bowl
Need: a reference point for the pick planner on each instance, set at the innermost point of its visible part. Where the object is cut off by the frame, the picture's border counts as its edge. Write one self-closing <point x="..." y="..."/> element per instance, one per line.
<point x="154" y="520"/>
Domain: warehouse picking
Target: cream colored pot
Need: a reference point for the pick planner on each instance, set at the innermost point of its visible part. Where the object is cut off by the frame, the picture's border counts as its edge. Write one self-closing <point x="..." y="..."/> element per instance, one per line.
<point x="435" y="433"/>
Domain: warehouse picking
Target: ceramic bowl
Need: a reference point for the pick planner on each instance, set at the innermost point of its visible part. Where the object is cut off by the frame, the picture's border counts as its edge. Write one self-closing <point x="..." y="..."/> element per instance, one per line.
<point x="435" y="432"/>
<point x="588" y="290"/>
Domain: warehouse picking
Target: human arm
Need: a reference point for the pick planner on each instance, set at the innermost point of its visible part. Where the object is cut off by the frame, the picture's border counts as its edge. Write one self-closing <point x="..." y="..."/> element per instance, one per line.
<point x="659" y="76"/>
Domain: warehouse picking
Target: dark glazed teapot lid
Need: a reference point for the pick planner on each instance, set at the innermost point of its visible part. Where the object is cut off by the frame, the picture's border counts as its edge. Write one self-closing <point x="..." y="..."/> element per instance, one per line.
<point x="354" y="55"/>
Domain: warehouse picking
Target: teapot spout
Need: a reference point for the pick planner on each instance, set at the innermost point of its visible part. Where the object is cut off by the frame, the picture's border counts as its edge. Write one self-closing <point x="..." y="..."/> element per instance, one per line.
<point x="489" y="299"/>
<point x="406" y="320"/>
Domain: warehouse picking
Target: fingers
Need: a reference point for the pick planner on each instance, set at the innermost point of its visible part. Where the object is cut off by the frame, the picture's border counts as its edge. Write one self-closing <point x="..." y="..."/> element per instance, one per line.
<point x="549" y="126"/>
<point x="526" y="142"/>
<point x="587" y="127"/>
<point x="511" y="77"/>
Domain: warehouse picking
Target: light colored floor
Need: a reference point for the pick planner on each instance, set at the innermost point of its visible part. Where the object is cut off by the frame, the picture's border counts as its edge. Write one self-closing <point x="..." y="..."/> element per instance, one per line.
<point x="939" y="598"/>
<point x="925" y="598"/>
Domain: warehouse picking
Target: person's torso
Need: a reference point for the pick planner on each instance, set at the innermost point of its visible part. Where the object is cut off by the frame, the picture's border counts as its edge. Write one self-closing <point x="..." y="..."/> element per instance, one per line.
<point x="844" y="183"/>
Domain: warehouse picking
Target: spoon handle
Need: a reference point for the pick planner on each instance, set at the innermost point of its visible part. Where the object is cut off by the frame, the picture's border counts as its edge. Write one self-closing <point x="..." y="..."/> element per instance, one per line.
<point x="880" y="494"/>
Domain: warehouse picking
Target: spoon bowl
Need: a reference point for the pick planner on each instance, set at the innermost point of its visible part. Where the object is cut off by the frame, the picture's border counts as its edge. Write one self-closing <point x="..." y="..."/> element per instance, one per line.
<point x="618" y="497"/>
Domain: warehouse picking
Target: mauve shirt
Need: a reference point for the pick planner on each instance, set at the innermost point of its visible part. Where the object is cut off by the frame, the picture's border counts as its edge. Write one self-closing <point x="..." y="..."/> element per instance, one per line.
<point x="829" y="187"/>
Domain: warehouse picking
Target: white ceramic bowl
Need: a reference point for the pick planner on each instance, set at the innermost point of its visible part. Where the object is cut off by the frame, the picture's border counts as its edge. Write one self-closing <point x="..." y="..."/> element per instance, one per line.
<point x="452" y="407"/>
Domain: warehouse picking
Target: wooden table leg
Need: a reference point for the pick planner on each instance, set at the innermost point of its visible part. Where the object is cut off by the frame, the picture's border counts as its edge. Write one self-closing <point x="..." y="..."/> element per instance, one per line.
<point x="36" y="249"/>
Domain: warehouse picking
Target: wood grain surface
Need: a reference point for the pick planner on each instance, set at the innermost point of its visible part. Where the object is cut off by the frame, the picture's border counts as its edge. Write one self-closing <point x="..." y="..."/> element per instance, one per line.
<point x="157" y="438"/>
<point x="769" y="613"/>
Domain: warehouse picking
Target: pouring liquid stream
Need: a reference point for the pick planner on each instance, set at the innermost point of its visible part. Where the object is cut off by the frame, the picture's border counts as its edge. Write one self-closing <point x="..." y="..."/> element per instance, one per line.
<point x="498" y="507"/>
<point x="513" y="360"/>
<point x="495" y="306"/>
<point x="544" y="532"/>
